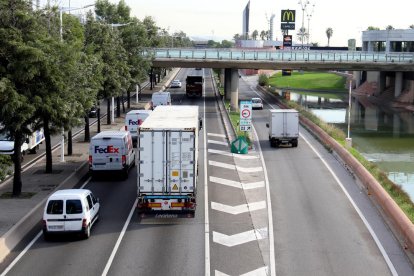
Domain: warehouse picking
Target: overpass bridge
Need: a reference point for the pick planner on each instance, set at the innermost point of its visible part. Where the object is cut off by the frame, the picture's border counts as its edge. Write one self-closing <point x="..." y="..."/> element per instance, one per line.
<point x="232" y="59"/>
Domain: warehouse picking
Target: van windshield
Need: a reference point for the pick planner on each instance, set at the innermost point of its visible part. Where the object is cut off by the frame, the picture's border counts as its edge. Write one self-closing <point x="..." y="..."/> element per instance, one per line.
<point x="4" y="137"/>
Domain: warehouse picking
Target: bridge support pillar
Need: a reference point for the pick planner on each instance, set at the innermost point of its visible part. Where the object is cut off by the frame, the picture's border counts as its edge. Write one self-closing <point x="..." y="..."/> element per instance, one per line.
<point x="382" y="82"/>
<point x="398" y="84"/>
<point x="227" y="83"/>
<point x="357" y="78"/>
<point x="234" y="102"/>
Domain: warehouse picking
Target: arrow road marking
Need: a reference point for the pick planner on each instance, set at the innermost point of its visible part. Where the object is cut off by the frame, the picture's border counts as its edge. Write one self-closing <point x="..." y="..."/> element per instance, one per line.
<point x="216" y="135"/>
<point x="241" y="238"/>
<point x="218" y="142"/>
<point x="236" y="184"/>
<point x="235" y="210"/>
<point x="263" y="271"/>
<point x="233" y="167"/>
<point x="226" y="153"/>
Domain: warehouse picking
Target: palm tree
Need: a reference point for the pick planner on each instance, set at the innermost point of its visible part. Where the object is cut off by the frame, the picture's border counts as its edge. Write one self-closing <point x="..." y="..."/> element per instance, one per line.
<point x="255" y="34"/>
<point x="329" y="33"/>
<point x="389" y="28"/>
<point x="262" y="35"/>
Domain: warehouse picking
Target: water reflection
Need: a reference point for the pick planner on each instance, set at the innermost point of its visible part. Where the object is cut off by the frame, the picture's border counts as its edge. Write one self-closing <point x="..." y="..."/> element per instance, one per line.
<point x="381" y="135"/>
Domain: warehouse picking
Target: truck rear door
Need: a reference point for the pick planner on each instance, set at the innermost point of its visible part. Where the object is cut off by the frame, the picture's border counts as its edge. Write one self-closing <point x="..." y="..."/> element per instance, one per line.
<point x="181" y="162"/>
<point x="152" y="165"/>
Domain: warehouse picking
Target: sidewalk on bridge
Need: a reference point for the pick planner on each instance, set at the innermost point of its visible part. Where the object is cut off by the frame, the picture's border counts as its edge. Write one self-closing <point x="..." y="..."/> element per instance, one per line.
<point x="18" y="216"/>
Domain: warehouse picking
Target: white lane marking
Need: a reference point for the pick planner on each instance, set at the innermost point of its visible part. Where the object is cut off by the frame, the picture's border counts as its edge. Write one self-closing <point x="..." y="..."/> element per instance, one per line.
<point x="272" y="261"/>
<point x="206" y="206"/>
<point x="219" y="273"/>
<point x="361" y="215"/>
<point x="240" y="238"/>
<point x="236" y="184"/>
<point x="226" y="153"/>
<point x="218" y="142"/>
<point x="239" y="209"/>
<point x="263" y="271"/>
<point x="233" y="167"/>
<point x="12" y="264"/>
<point x="216" y="135"/>
<point x="118" y="242"/>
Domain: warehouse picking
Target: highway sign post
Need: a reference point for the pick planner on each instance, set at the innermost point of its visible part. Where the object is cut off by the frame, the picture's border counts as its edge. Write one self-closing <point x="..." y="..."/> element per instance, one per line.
<point x="245" y="116"/>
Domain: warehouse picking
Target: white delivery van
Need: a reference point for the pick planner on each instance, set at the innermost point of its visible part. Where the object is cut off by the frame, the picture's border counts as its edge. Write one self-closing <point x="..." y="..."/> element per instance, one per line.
<point x="133" y="120"/>
<point x="70" y="211"/>
<point x="283" y="127"/>
<point x="160" y="98"/>
<point x="111" y="151"/>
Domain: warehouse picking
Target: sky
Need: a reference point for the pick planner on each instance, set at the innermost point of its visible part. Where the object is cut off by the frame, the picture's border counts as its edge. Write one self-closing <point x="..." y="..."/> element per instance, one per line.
<point x="222" y="19"/>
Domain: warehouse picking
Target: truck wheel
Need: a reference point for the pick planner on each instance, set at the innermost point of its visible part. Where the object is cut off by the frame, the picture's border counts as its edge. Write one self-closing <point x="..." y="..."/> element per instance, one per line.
<point x="294" y="143"/>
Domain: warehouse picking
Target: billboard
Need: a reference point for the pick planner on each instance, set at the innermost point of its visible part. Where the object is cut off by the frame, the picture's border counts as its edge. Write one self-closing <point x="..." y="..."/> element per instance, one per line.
<point x="287" y="41"/>
<point x="287" y="19"/>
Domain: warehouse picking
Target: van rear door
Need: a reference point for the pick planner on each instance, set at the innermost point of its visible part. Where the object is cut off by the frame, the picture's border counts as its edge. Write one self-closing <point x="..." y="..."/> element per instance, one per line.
<point x="73" y="214"/>
<point x="55" y="219"/>
<point x="107" y="153"/>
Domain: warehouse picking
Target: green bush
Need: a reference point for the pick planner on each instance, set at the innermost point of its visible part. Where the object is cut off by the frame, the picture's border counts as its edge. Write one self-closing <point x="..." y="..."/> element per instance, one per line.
<point x="263" y="80"/>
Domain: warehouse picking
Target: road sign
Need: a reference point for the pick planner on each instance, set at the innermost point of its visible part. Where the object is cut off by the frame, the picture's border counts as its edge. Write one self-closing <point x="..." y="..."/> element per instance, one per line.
<point x="246" y="128"/>
<point x="246" y="122"/>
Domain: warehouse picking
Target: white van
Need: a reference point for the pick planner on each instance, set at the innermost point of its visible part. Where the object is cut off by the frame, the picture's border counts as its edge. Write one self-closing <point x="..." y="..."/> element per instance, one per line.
<point x="70" y="211"/>
<point x="133" y="120"/>
<point x="160" y="98"/>
<point x="111" y="151"/>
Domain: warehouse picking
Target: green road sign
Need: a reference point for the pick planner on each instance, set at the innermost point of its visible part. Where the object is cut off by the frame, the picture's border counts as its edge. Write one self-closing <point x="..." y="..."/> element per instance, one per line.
<point x="239" y="145"/>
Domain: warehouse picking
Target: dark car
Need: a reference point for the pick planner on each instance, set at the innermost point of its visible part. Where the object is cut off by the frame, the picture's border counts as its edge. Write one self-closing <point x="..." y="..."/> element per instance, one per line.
<point x="93" y="112"/>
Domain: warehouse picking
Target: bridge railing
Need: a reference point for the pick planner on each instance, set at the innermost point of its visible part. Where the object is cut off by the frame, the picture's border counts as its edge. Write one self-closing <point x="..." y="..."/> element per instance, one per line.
<point x="280" y="55"/>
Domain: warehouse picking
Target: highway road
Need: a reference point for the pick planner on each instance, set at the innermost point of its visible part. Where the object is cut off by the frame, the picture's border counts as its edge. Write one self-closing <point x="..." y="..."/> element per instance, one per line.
<point x="284" y="211"/>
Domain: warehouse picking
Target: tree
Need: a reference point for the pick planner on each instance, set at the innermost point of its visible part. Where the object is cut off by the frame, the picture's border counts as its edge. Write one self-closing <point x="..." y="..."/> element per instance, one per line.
<point x="262" y="35"/>
<point x="329" y="33"/>
<point x="236" y="37"/>
<point x="20" y="67"/>
<point x="411" y="26"/>
<point x="372" y="28"/>
<point x="255" y="34"/>
<point x="389" y="28"/>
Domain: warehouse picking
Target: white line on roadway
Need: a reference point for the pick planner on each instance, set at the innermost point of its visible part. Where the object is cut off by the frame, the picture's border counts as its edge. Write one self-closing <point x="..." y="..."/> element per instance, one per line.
<point x="361" y="215"/>
<point x="218" y="142"/>
<point x="240" y="156"/>
<point x="233" y="167"/>
<point x="239" y="209"/>
<point x="12" y="264"/>
<point x="239" y="238"/>
<point x="263" y="271"/>
<point x="216" y="135"/>
<point x="236" y="184"/>
<point x="206" y="205"/>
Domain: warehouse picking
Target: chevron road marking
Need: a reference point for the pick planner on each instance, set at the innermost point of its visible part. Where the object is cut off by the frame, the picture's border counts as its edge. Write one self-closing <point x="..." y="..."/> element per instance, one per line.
<point x="218" y="142"/>
<point x="263" y="271"/>
<point x="216" y="135"/>
<point x="236" y="184"/>
<point x="241" y="238"/>
<point x="233" y="167"/>
<point x="226" y="153"/>
<point x="235" y="210"/>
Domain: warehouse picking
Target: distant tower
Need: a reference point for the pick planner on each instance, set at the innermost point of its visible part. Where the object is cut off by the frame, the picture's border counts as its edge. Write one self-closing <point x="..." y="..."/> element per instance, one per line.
<point x="246" y="14"/>
<point x="271" y="27"/>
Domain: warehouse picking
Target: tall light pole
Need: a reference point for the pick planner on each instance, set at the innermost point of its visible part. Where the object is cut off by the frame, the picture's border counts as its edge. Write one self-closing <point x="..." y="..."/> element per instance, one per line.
<point x="309" y="15"/>
<point x="303" y="5"/>
<point x="348" y="139"/>
<point x="61" y="10"/>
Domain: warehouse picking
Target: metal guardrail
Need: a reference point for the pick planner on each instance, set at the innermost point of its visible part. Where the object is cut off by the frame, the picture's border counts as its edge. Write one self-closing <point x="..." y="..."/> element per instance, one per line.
<point x="279" y="55"/>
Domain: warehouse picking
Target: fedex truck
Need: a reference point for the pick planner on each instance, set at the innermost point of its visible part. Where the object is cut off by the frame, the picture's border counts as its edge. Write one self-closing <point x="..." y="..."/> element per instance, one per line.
<point x="111" y="151"/>
<point x="133" y="120"/>
<point x="168" y="160"/>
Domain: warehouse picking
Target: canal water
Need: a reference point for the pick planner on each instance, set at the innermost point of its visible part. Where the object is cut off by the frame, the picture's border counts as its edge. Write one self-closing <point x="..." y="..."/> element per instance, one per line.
<point x="383" y="136"/>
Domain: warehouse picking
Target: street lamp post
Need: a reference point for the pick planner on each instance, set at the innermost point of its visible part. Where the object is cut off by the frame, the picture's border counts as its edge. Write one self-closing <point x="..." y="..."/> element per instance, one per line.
<point x="303" y="6"/>
<point x="348" y="138"/>
<point x="309" y="15"/>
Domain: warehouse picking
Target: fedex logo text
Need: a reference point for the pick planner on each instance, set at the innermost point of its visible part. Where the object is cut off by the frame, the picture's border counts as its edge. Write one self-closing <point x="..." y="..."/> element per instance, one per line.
<point x="108" y="149"/>
<point x="135" y="123"/>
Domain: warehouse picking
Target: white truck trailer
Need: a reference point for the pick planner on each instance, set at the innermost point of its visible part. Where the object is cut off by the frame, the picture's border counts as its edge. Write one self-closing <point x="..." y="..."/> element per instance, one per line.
<point x="283" y="127"/>
<point x="30" y="144"/>
<point x="168" y="160"/>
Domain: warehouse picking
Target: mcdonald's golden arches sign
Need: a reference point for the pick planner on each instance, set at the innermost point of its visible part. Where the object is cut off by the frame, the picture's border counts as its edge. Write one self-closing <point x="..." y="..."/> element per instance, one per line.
<point x="288" y="16"/>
